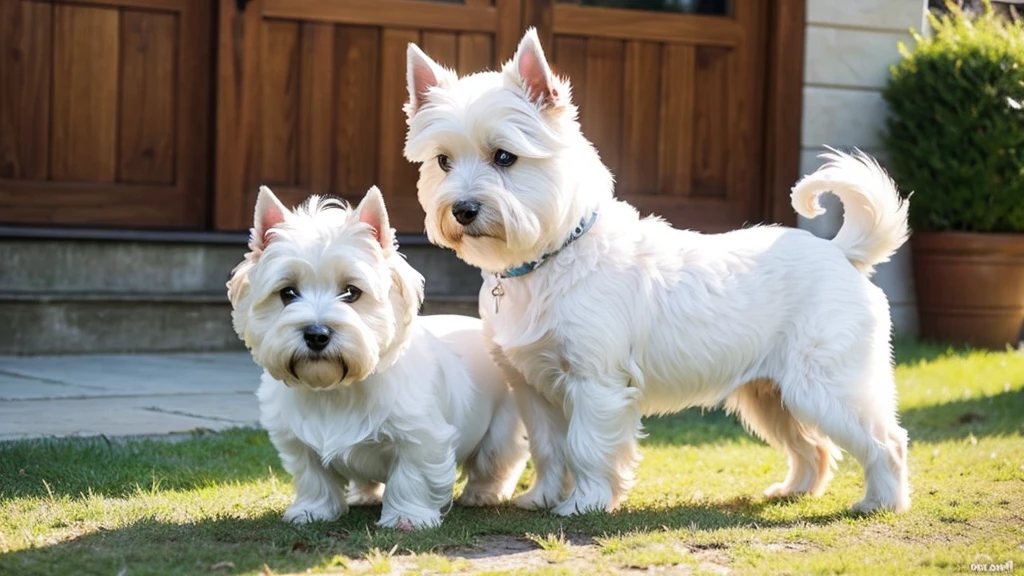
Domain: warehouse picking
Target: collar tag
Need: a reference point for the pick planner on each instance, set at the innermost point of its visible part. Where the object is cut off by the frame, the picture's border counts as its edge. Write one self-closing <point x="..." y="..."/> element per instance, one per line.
<point x="524" y="269"/>
<point x="498" y="291"/>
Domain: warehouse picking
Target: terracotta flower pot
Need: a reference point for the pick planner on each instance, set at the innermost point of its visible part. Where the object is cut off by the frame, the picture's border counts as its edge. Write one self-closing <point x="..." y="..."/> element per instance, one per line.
<point x="970" y="287"/>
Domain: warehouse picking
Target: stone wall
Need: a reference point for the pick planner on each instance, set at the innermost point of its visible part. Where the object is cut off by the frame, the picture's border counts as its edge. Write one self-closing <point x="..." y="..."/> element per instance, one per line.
<point x="850" y="45"/>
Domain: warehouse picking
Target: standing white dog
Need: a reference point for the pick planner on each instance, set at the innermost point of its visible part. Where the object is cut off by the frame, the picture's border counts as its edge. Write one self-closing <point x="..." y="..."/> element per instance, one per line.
<point x="364" y="400"/>
<point x="603" y="316"/>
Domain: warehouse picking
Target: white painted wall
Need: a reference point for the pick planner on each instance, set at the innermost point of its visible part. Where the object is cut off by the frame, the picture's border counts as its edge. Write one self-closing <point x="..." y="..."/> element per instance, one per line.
<point x="849" y="47"/>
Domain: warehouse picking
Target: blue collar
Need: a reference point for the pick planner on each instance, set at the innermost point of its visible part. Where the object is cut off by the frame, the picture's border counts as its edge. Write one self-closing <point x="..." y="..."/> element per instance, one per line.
<point x="524" y="269"/>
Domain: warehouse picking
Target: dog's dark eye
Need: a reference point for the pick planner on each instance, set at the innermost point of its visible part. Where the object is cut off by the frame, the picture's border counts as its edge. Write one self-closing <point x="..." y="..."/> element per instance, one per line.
<point x="504" y="159"/>
<point x="351" y="294"/>
<point x="445" y="162"/>
<point x="289" y="295"/>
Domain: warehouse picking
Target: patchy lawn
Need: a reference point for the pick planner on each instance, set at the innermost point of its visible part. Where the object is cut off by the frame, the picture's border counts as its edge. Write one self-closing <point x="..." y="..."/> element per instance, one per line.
<point x="211" y="504"/>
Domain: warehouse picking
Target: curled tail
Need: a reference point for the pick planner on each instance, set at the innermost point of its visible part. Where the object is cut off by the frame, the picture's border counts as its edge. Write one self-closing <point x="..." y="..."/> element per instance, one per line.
<point x="875" y="217"/>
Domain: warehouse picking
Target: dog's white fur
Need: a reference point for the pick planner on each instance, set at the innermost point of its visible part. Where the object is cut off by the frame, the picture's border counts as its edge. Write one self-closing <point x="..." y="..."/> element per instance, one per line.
<point x="636" y="318"/>
<point x="395" y="401"/>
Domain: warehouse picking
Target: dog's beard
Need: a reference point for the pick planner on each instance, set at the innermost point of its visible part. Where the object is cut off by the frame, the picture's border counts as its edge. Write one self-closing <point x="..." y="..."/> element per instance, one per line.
<point x="318" y="372"/>
<point x="503" y="235"/>
<point x="352" y="356"/>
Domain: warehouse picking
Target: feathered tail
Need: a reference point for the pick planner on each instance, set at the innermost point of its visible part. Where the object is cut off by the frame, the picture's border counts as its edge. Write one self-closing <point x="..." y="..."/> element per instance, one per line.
<point x="875" y="216"/>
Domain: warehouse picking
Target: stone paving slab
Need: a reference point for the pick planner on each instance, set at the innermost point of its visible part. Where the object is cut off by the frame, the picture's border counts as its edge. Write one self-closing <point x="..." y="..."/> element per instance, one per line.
<point x="126" y="395"/>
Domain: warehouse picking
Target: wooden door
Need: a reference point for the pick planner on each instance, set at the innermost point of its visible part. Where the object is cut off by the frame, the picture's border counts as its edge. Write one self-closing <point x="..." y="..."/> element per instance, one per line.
<point x="103" y="112"/>
<point x="674" y="102"/>
<point x="310" y="94"/>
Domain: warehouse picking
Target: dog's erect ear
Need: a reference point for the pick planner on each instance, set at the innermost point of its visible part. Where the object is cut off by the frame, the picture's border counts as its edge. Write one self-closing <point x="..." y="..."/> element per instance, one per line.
<point x="371" y="211"/>
<point x="533" y="73"/>
<point x="422" y="74"/>
<point x="269" y="213"/>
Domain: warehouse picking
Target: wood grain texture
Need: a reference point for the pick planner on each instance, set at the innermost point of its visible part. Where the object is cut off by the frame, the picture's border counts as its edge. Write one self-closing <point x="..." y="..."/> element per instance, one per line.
<point x="357" y="110"/>
<point x="602" y="118"/>
<point x="149" y="84"/>
<point x="85" y="85"/>
<point x="509" y="29"/>
<point x="443" y="48"/>
<point x="160" y="5"/>
<point x="279" y="109"/>
<point x="238" y="103"/>
<point x="476" y="53"/>
<point x="570" y="62"/>
<point x="386" y="13"/>
<point x="784" y="108"/>
<point x="26" y="52"/>
<point x="640" y="119"/>
<point x="195" y="111"/>
<point x="676" y="140"/>
<point x="316" y="112"/>
<point x="711" y="121"/>
<point x="745" y="113"/>
<point x="594" y="22"/>
<point x="539" y="14"/>
<point x="91" y="203"/>
<point x="396" y="176"/>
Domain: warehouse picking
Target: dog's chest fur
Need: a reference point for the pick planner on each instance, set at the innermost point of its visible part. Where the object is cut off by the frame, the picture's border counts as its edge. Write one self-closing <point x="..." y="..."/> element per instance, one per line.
<point x="358" y="443"/>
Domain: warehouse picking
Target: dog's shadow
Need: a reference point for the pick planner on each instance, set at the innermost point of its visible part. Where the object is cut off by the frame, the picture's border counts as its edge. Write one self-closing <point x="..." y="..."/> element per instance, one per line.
<point x="246" y="545"/>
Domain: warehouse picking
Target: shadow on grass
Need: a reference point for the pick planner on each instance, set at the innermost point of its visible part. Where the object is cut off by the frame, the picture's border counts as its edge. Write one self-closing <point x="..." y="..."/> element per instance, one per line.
<point x="998" y="415"/>
<point x="74" y="466"/>
<point x="233" y="545"/>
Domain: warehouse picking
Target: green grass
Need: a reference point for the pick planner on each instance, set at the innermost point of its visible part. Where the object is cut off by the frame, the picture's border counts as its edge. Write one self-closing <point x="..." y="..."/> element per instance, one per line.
<point x="211" y="504"/>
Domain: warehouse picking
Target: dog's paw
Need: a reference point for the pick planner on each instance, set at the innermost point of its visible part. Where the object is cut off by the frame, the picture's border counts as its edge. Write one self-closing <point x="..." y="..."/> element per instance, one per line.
<point x="363" y="499"/>
<point x="873" y="505"/>
<point x="408" y="523"/>
<point x="365" y="495"/>
<point x="305" y="514"/>
<point x="535" y="500"/>
<point x="578" y="503"/>
<point x="782" y="491"/>
<point x="473" y="498"/>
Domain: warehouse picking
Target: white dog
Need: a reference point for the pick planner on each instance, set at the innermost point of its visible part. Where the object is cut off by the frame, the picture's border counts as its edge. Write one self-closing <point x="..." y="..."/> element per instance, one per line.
<point x="602" y="316"/>
<point x="365" y="401"/>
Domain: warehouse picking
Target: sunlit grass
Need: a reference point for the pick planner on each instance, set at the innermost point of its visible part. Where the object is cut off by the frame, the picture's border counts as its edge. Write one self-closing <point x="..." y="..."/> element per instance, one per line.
<point x="212" y="504"/>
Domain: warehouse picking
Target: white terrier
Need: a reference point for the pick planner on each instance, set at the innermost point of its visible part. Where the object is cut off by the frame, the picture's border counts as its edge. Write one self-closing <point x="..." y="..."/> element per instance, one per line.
<point x="601" y="316"/>
<point x="365" y="401"/>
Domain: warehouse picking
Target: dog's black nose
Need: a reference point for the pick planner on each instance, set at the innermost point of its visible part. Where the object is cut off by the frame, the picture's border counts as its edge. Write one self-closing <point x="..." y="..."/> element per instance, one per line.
<point x="317" y="336"/>
<point x="465" y="211"/>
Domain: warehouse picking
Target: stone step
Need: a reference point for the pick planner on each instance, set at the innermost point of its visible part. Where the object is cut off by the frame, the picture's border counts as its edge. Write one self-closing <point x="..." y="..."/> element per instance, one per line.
<point x="104" y="266"/>
<point x="65" y="291"/>
<point x="93" y="323"/>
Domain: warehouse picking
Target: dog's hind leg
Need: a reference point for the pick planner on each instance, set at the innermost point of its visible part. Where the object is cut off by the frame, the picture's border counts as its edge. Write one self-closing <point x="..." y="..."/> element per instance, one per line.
<point x="365" y="493"/>
<point x="494" y="469"/>
<point x="811" y="456"/>
<point x="858" y="414"/>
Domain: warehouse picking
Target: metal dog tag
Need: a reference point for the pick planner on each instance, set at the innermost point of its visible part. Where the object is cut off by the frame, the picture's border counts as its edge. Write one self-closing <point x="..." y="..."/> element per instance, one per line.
<point x="498" y="291"/>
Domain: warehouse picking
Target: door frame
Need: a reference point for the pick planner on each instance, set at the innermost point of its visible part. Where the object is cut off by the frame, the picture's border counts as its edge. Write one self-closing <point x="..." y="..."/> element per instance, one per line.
<point x="238" y="77"/>
<point x="239" y="44"/>
<point x="782" y="91"/>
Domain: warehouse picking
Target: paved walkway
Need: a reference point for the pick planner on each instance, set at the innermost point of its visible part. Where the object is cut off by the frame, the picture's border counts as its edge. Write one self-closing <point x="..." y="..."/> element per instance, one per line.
<point x="125" y="394"/>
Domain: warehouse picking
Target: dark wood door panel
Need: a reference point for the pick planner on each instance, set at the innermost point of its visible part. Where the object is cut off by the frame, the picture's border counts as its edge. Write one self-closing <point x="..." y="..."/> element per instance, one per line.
<point x="311" y="95"/>
<point x="673" y="104"/>
<point x="103" y="112"/>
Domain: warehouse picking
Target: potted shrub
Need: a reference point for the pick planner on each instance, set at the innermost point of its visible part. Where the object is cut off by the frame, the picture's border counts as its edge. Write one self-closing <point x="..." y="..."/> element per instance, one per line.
<point x="956" y="140"/>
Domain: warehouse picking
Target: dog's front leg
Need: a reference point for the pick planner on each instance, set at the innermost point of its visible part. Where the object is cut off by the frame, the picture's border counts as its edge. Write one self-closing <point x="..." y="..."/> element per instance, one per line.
<point x="319" y="490"/>
<point x="546" y="430"/>
<point x="604" y="422"/>
<point x="419" y="485"/>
